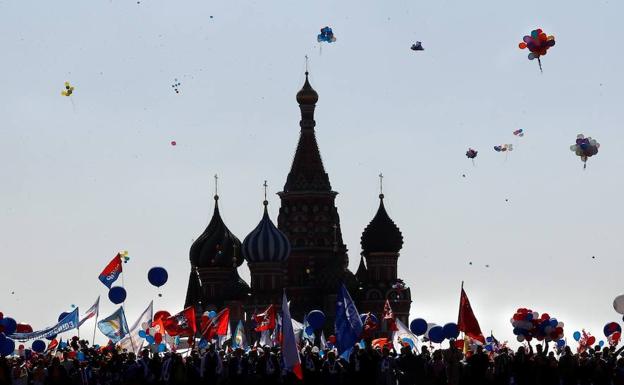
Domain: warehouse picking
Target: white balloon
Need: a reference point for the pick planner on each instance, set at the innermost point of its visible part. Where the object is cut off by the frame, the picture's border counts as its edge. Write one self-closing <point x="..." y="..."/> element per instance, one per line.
<point x="145" y="325"/>
<point x="618" y="304"/>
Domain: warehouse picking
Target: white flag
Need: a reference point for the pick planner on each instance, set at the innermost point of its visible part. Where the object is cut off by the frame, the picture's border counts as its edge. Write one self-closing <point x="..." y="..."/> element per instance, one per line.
<point x="403" y="336"/>
<point x="92" y="312"/>
<point x="132" y="342"/>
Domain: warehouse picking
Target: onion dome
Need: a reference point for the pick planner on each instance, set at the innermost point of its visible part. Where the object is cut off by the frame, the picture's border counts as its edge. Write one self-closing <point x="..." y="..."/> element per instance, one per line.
<point x="381" y="234"/>
<point x="266" y="243"/>
<point x="216" y="246"/>
<point x="307" y="95"/>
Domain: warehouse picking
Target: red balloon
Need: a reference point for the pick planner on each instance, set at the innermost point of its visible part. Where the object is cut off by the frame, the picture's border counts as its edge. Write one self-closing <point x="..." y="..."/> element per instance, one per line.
<point x="1" y="315"/>
<point x="591" y="340"/>
<point x="158" y="338"/>
<point x="162" y="314"/>
<point x="332" y="339"/>
<point x="173" y="143"/>
<point x="23" y="328"/>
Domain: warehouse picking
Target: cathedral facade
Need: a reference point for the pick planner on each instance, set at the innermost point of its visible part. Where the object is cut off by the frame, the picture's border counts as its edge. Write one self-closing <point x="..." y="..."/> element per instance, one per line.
<point x="304" y="254"/>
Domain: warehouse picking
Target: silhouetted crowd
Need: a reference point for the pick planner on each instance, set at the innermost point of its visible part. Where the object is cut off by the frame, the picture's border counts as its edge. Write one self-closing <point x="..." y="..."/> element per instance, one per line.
<point x="379" y="366"/>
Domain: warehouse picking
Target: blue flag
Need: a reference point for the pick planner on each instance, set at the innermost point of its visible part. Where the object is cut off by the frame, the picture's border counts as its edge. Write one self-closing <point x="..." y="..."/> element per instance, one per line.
<point x="348" y="323"/>
<point x="69" y="322"/>
<point x="115" y="326"/>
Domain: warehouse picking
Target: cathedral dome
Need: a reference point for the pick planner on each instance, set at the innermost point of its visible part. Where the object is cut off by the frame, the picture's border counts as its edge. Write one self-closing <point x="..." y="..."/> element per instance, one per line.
<point x="307" y="95"/>
<point x="216" y="246"/>
<point x="381" y="234"/>
<point x="266" y="243"/>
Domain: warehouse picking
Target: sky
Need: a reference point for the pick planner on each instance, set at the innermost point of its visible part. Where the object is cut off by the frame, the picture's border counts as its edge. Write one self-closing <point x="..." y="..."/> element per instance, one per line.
<point x="86" y="176"/>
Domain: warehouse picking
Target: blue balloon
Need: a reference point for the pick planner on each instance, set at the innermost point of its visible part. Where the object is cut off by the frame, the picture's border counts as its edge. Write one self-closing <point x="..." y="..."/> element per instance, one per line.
<point x="7" y="347"/>
<point x="601" y="343"/>
<point x="436" y="334"/>
<point x="80" y="356"/>
<point x="157" y="276"/>
<point x="2" y="337"/>
<point x="62" y="315"/>
<point x="117" y="294"/>
<point x="451" y="331"/>
<point x="9" y="325"/>
<point x="577" y="336"/>
<point x="316" y="319"/>
<point x="212" y="314"/>
<point x="529" y="316"/>
<point x="142" y="333"/>
<point x="149" y="339"/>
<point x="418" y="326"/>
<point x="489" y="348"/>
<point x="561" y="343"/>
<point x="162" y="347"/>
<point x="39" y="346"/>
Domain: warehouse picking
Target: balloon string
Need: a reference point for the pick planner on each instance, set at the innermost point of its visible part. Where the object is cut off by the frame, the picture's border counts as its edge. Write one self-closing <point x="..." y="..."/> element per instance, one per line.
<point x="540" y="64"/>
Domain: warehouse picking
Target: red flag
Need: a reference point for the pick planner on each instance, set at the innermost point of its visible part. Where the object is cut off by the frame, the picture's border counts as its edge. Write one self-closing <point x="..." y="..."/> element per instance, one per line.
<point x="52" y="345"/>
<point x="388" y="315"/>
<point x="266" y="320"/>
<point x="370" y="325"/>
<point x="217" y="326"/>
<point x="467" y="322"/>
<point x="380" y="343"/>
<point x="181" y="324"/>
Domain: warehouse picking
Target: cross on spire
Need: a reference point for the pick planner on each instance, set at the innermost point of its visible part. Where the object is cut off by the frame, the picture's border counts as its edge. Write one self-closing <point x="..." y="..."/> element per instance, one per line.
<point x="265" y="185"/>
<point x="381" y="185"/>
<point x="306" y="60"/>
<point x="216" y="179"/>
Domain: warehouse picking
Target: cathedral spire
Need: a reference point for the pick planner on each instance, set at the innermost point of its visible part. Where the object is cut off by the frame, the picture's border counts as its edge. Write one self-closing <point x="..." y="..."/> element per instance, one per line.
<point x="307" y="172"/>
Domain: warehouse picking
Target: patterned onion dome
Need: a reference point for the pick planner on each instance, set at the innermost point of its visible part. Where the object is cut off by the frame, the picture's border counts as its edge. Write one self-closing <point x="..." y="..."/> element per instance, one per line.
<point x="266" y="243"/>
<point x="381" y="234"/>
<point x="216" y="246"/>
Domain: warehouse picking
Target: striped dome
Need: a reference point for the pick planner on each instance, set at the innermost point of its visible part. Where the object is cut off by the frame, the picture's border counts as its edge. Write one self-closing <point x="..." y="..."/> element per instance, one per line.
<point x="266" y="243"/>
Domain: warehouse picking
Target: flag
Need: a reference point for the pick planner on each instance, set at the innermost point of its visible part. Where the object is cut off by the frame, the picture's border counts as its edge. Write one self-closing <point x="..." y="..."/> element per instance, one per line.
<point x="370" y="325"/>
<point x="52" y="345"/>
<point x="217" y="326"/>
<point x="239" y="340"/>
<point x="266" y="320"/>
<point x="69" y="322"/>
<point x="115" y="326"/>
<point x="323" y="344"/>
<point x="276" y="334"/>
<point x="403" y="336"/>
<point x="290" y="353"/>
<point x="307" y="333"/>
<point x="181" y="324"/>
<point x="380" y="343"/>
<point x="92" y="312"/>
<point x="265" y="338"/>
<point x="348" y="324"/>
<point x="298" y="329"/>
<point x="132" y="342"/>
<point x="388" y="315"/>
<point x="111" y="271"/>
<point x="467" y="322"/>
<point x="226" y="337"/>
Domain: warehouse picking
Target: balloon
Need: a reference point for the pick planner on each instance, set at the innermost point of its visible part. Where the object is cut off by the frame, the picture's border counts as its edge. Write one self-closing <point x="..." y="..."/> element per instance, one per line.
<point x="436" y="334"/>
<point x="7" y="347"/>
<point x="618" y="304"/>
<point x="117" y="295"/>
<point x="576" y="335"/>
<point x="62" y="315"/>
<point x="418" y="326"/>
<point x="561" y="343"/>
<point x="417" y="46"/>
<point x="601" y="343"/>
<point x="142" y="334"/>
<point x="149" y="339"/>
<point x="68" y="91"/>
<point x="9" y="325"/>
<point x="591" y="340"/>
<point x="158" y="338"/>
<point x="23" y="328"/>
<point x="212" y="314"/>
<point x="471" y="153"/>
<point x="162" y="348"/>
<point x="451" y="331"/>
<point x="331" y="339"/>
<point x="162" y="314"/>
<point x="611" y="328"/>
<point x="326" y="35"/>
<point x="157" y="276"/>
<point x="38" y="346"/>
<point x="538" y="43"/>
<point x="316" y="319"/>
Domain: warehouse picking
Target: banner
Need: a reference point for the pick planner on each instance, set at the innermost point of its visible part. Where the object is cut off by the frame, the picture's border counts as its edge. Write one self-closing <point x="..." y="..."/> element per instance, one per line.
<point x="69" y="322"/>
<point x="115" y="326"/>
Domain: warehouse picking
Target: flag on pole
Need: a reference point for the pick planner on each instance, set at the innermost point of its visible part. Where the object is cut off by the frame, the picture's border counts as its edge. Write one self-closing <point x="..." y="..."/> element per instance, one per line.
<point x="323" y="344"/>
<point x="217" y="326"/>
<point x="111" y="272"/>
<point x="132" y="342"/>
<point x="388" y="315"/>
<point x="266" y="320"/>
<point x="115" y="326"/>
<point x="307" y="333"/>
<point x="92" y="312"/>
<point x="181" y="324"/>
<point x="290" y="353"/>
<point x="265" y="338"/>
<point x="239" y="340"/>
<point x="467" y="322"/>
<point x="403" y="336"/>
<point x="348" y="324"/>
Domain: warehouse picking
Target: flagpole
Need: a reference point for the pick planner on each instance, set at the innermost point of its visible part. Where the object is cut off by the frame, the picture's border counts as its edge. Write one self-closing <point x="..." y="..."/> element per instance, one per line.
<point x="95" y="326"/>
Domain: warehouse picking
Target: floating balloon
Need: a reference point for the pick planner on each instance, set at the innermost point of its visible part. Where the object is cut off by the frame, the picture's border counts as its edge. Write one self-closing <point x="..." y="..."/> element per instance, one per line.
<point x="519" y="132"/>
<point x="176" y="86"/>
<point x="417" y="46"/>
<point x="586" y="148"/>
<point x="68" y="91"/>
<point x="23" y="328"/>
<point x="9" y="326"/>
<point x="451" y="331"/>
<point x="576" y="336"/>
<point x="316" y="319"/>
<point x="503" y="148"/>
<point x="7" y="347"/>
<point x="326" y="35"/>
<point x="117" y="295"/>
<point x="212" y="314"/>
<point x="418" y="326"/>
<point x="157" y="276"/>
<point x="471" y="154"/>
<point x="528" y="324"/>
<point x="62" y="315"/>
<point x="38" y="346"/>
<point x="162" y="314"/>
<point x="173" y="143"/>
<point x="436" y="334"/>
<point x="611" y="328"/>
<point x="538" y="43"/>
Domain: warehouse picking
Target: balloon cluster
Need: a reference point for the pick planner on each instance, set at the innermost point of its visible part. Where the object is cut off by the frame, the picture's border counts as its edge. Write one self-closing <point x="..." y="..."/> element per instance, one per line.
<point x="176" y="86"/>
<point x="326" y="35"/>
<point x="503" y="148"/>
<point x="417" y="46"/>
<point x="519" y="132"/>
<point x="8" y="326"/>
<point x="434" y="333"/>
<point x="471" y="153"/>
<point x="584" y="339"/>
<point x="153" y="334"/>
<point x="538" y="43"/>
<point x="124" y="256"/>
<point x="492" y="344"/>
<point x="613" y="332"/>
<point x="585" y="147"/>
<point x="528" y="324"/>
<point x="69" y="89"/>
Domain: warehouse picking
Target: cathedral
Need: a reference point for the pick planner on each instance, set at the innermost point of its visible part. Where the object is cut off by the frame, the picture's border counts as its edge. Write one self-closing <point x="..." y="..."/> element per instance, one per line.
<point x="304" y="254"/>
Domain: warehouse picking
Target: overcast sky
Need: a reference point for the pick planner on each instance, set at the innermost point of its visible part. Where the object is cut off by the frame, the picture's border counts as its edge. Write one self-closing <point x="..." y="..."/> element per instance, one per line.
<point x="86" y="176"/>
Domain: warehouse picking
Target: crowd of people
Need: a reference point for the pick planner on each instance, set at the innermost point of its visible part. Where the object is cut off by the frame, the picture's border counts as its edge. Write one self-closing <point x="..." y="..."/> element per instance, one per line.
<point x="381" y="365"/>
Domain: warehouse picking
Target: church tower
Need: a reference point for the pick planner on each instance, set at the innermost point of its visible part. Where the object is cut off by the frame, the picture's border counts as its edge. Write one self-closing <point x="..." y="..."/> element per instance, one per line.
<point x="214" y="282"/>
<point x="317" y="264"/>
<point x="381" y="242"/>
